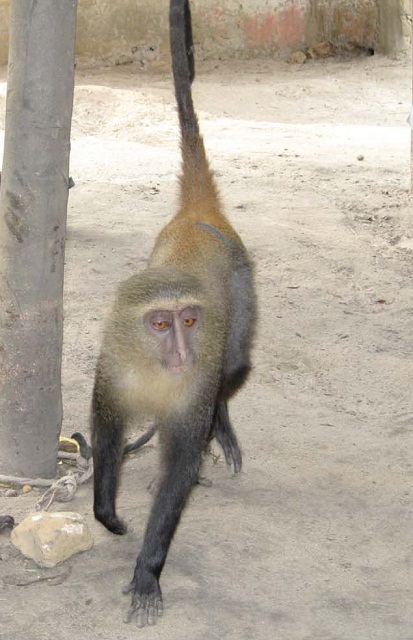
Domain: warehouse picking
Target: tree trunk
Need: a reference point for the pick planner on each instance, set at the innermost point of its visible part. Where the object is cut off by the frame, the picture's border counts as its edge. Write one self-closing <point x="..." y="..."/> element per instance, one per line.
<point x="33" y="208"/>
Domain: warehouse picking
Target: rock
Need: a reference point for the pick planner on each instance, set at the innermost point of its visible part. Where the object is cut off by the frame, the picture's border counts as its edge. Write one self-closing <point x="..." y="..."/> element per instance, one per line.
<point x="50" y="538"/>
<point x="321" y="50"/>
<point x="6" y="522"/>
<point x="298" y="57"/>
<point x="26" y="488"/>
<point x="11" y="493"/>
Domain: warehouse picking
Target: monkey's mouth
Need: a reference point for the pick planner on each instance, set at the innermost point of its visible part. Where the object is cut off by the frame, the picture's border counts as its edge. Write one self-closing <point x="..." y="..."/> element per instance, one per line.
<point x="178" y="369"/>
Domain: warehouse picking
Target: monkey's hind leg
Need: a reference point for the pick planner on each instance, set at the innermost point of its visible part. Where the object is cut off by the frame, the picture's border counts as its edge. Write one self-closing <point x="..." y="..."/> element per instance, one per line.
<point x="224" y="433"/>
<point x="107" y="446"/>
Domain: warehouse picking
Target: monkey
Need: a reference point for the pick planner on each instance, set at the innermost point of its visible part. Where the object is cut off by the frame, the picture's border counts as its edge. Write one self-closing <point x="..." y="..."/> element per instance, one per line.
<point x="176" y="346"/>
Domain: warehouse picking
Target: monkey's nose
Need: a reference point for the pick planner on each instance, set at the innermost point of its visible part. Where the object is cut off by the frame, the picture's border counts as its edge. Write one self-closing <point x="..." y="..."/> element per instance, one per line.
<point x="181" y="353"/>
<point x="180" y="345"/>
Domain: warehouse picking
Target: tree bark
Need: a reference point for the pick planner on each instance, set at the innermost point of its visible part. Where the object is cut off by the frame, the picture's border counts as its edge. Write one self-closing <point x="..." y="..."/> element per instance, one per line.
<point x="33" y="209"/>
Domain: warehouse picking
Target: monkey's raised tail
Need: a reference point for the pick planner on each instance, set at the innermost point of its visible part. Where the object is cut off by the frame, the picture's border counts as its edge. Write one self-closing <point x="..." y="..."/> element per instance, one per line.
<point x="183" y="66"/>
<point x="196" y="181"/>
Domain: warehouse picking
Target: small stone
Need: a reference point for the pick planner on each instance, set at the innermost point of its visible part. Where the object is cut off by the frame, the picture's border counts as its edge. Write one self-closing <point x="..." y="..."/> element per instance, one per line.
<point x="26" y="488"/>
<point x="6" y="522"/>
<point x="51" y="538"/>
<point x="360" y="157"/>
<point x="298" y="57"/>
<point x="10" y="493"/>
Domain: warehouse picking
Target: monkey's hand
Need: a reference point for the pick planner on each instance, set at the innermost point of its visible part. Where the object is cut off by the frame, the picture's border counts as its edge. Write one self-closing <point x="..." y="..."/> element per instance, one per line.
<point x="146" y="603"/>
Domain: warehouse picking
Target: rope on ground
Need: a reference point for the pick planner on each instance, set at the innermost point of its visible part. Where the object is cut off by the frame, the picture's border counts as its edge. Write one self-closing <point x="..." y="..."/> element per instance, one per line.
<point x="64" y="489"/>
<point x="61" y="490"/>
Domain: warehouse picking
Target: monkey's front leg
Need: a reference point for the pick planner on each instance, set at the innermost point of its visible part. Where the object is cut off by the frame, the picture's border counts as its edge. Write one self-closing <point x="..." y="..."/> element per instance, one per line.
<point x="182" y="449"/>
<point x="107" y="448"/>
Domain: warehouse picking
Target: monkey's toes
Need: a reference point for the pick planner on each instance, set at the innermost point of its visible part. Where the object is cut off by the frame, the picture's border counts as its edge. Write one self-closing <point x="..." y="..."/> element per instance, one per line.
<point x="145" y="609"/>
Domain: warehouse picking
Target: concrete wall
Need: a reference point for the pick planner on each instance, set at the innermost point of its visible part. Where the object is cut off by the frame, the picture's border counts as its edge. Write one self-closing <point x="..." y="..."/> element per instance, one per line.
<point x="119" y="31"/>
<point x="4" y="30"/>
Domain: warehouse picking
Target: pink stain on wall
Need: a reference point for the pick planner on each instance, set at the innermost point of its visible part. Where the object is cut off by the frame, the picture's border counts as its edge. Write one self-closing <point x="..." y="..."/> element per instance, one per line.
<point x="292" y="26"/>
<point x="285" y="28"/>
<point x="357" y="27"/>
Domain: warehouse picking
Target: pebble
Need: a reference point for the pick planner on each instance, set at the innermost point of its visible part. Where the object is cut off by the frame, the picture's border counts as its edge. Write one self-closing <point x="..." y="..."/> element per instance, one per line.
<point x="298" y="57"/>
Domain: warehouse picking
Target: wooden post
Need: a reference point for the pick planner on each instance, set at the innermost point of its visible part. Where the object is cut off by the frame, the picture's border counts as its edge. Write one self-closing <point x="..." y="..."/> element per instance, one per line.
<point x="33" y="206"/>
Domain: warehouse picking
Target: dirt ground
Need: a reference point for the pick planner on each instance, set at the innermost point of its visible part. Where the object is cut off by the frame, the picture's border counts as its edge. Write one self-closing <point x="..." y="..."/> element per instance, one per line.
<point x="313" y="541"/>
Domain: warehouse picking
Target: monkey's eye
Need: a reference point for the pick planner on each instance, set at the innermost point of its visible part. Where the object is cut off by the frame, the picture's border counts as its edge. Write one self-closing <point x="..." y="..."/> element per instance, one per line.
<point x="189" y="322"/>
<point x="190" y="316"/>
<point x="160" y="325"/>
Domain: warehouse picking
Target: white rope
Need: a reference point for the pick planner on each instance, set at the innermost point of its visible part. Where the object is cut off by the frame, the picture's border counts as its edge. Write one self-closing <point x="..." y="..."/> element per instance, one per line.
<point x="61" y="490"/>
<point x="64" y="489"/>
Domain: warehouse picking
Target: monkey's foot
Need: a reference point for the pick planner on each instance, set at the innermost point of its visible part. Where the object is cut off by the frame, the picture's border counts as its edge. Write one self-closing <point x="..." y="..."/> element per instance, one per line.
<point x="112" y="523"/>
<point x="146" y="606"/>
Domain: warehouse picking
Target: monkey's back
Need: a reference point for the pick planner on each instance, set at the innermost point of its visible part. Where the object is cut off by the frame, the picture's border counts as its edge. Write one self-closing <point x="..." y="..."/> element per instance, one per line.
<point x="202" y="248"/>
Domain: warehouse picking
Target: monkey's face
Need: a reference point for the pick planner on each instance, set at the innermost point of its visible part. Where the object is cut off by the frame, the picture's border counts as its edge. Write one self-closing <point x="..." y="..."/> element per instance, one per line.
<point x="175" y="331"/>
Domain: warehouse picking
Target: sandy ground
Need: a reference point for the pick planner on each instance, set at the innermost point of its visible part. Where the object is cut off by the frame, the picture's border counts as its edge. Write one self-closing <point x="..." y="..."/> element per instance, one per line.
<point x="313" y="541"/>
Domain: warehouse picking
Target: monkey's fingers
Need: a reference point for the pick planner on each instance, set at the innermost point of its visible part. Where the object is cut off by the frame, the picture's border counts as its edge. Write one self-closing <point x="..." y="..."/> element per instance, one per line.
<point x="129" y="615"/>
<point x="146" y="608"/>
<point x="149" y="611"/>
